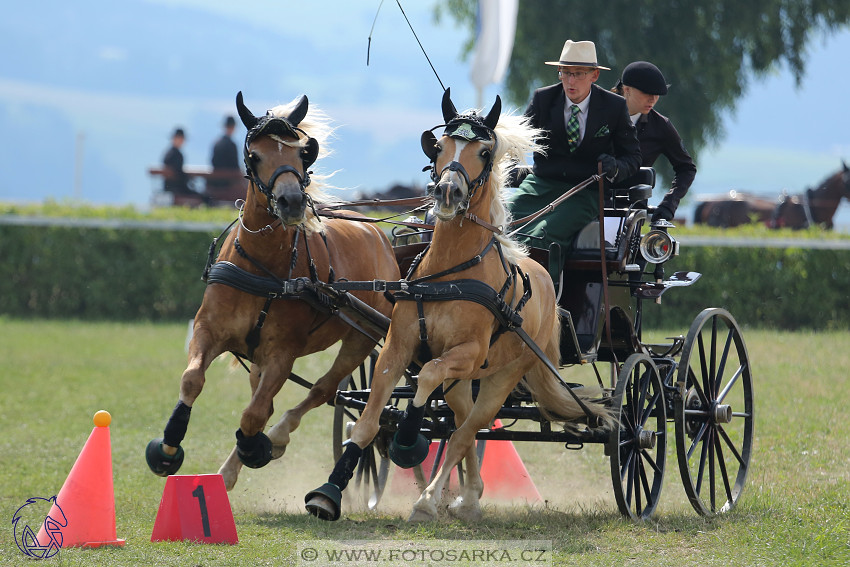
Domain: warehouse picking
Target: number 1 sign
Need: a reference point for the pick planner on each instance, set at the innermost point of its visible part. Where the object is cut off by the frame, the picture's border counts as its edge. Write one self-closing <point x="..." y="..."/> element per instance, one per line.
<point x="196" y="508"/>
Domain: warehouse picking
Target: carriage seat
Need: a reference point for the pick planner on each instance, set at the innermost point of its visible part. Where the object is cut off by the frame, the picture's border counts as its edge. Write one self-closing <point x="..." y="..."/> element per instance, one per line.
<point x="626" y="207"/>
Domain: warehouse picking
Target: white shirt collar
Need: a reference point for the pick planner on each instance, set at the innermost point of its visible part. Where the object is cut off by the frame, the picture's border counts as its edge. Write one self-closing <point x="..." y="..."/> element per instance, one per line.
<point x="635" y="117"/>
<point x="582" y="105"/>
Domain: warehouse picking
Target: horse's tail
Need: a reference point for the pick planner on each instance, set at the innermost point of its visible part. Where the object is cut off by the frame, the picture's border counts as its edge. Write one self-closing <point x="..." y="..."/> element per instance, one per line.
<point x="550" y="394"/>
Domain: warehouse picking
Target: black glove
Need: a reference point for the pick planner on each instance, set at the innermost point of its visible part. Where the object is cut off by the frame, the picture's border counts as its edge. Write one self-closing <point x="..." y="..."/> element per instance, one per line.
<point x="662" y="212"/>
<point x="609" y="166"/>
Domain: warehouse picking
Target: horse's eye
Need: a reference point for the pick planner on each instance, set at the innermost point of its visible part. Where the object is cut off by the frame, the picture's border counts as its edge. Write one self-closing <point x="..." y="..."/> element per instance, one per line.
<point x="485" y="155"/>
<point x="254" y="157"/>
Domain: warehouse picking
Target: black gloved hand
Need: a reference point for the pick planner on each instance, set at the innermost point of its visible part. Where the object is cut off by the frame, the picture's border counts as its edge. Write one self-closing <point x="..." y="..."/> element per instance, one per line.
<point x="662" y="212"/>
<point x="609" y="165"/>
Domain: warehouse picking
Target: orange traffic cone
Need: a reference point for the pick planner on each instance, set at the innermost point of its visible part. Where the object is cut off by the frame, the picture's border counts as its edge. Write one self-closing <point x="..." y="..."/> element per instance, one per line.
<point x="502" y="471"/>
<point x="504" y="474"/>
<point x="87" y="498"/>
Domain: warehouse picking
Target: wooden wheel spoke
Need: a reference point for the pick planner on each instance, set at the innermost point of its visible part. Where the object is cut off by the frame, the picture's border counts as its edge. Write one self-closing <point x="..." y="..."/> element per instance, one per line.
<point x="712" y="482"/>
<point x="731" y="446"/>
<point x="648" y="458"/>
<point x="650" y="407"/>
<point x="723" y="358"/>
<point x="698" y="389"/>
<point x="732" y="381"/>
<point x="647" y="491"/>
<point x="702" y="460"/>
<point x="721" y="462"/>
<point x="626" y="466"/>
<point x="697" y="440"/>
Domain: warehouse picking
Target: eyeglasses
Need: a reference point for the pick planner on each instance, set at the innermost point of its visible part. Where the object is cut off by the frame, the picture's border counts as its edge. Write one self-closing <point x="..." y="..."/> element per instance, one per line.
<point x="578" y="75"/>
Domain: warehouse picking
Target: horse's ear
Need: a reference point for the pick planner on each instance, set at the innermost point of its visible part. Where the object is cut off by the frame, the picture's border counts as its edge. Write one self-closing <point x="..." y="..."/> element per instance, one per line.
<point x="492" y="117"/>
<point x="310" y="152"/>
<point x="844" y="165"/>
<point x="429" y="144"/>
<point x="449" y="110"/>
<point x="248" y="119"/>
<point x="299" y="112"/>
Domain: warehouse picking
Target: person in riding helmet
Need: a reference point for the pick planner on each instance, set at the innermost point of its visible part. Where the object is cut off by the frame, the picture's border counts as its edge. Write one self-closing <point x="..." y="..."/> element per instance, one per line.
<point x="642" y="84"/>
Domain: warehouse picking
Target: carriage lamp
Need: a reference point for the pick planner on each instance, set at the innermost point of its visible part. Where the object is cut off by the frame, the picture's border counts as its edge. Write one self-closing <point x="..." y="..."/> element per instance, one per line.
<point x="657" y="246"/>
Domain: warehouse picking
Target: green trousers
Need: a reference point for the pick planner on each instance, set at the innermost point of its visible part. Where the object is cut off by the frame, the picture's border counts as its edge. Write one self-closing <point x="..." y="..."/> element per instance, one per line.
<point x="561" y="225"/>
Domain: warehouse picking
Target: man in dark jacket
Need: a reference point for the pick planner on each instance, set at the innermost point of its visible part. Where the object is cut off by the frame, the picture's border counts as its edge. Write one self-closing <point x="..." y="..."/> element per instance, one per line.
<point x="225" y="162"/>
<point x="642" y="84"/>
<point x="176" y="180"/>
<point x="585" y="125"/>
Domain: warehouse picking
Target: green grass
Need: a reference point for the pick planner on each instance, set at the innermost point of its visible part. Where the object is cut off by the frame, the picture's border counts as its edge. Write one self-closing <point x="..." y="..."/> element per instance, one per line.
<point x="795" y="509"/>
<point x="77" y="209"/>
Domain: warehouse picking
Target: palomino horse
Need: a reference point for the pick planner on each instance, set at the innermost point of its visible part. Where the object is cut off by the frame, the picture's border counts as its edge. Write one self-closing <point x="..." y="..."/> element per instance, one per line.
<point x="462" y="340"/>
<point x="278" y="241"/>
<point x="814" y="207"/>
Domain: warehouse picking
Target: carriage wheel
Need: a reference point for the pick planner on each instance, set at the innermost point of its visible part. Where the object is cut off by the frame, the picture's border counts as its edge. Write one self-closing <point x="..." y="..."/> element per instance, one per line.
<point x="639" y="446"/>
<point x="370" y="478"/>
<point x="714" y="413"/>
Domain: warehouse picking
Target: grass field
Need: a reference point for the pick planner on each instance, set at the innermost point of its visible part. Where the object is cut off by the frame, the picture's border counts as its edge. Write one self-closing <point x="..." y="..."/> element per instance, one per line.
<point x="795" y="509"/>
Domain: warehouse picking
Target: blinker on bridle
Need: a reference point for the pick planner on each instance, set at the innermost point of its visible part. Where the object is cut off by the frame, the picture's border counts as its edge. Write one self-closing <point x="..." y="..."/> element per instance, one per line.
<point x="470" y="127"/>
<point x="284" y="127"/>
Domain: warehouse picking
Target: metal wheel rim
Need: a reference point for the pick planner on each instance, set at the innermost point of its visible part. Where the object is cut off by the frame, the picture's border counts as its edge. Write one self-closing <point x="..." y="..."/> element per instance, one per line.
<point x="714" y="371"/>
<point x="638" y="473"/>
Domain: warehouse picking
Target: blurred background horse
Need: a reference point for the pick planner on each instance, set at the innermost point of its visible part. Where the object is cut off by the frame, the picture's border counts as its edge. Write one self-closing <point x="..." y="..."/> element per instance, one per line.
<point x="810" y="208"/>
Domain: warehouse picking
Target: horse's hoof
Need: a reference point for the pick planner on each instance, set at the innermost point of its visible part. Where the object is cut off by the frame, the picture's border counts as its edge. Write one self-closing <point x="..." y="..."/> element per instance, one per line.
<point x="465" y="510"/>
<point x="278" y="451"/>
<point x="421" y="515"/>
<point x="254" y="452"/>
<point x="408" y="457"/>
<point x="325" y="502"/>
<point x="161" y="463"/>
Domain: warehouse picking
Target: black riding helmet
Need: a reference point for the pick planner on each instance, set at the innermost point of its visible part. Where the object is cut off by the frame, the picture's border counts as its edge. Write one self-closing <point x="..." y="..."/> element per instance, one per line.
<point x="645" y="77"/>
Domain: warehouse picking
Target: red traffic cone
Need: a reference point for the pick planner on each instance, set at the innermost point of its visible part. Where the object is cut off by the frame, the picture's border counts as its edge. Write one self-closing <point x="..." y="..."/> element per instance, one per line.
<point x="87" y="498"/>
<point x="504" y="474"/>
<point x="502" y="471"/>
<point x="195" y="507"/>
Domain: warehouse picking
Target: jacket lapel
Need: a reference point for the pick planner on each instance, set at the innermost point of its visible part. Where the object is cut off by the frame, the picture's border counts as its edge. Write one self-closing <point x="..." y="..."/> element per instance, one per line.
<point x="556" y="119"/>
<point x="595" y="118"/>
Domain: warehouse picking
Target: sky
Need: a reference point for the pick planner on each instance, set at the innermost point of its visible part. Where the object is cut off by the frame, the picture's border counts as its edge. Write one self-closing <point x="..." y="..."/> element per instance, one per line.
<point x="95" y="88"/>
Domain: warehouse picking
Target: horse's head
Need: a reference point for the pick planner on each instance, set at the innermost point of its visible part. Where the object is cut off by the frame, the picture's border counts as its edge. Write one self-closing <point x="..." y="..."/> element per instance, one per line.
<point x="462" y="159"/>
<point x="277" y="156"/>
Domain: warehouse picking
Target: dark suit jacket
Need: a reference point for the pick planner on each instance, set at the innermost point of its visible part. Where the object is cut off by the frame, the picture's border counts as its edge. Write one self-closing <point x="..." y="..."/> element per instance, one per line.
<point x="609" y="130"/>
<point x="178" y="182"/>
<point x="658" y="136"/>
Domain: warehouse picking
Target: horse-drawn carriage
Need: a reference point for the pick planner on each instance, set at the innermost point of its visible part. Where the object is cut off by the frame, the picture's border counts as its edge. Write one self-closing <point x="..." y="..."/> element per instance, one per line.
<point x="470" y="350"/>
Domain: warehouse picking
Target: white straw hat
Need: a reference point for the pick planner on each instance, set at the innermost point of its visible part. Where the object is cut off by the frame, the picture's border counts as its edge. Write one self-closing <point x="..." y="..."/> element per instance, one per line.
<point x="578" y="54"/>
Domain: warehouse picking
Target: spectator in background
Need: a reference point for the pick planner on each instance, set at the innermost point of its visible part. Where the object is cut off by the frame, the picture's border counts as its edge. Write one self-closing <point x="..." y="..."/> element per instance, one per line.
<point x="225" y="162"/>
<point x="176" y="180"/>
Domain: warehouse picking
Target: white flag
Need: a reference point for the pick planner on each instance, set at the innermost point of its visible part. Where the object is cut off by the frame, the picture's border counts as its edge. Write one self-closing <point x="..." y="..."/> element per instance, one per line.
<point x="495" y="41"/>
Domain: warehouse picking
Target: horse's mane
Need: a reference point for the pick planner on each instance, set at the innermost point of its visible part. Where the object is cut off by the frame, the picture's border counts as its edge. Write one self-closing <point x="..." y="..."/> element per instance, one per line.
<point x="316" y="124"/>
<point x="516" y="138"/>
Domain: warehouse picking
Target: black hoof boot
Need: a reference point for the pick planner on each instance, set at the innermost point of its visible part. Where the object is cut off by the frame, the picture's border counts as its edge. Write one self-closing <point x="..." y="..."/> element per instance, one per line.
<point x="408" y="456"/>
<point x="254" y="452"/>
<point x="161" y="463"/>
<point x="325" y="502"/>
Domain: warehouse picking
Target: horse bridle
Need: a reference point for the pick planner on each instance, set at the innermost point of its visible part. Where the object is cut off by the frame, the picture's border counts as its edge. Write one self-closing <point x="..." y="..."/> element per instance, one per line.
<point x="472" y="130"/>
<point x="273" y="125"/>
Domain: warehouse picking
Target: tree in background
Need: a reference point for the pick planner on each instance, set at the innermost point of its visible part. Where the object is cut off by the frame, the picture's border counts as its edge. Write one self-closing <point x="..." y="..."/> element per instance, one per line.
<point x="710" y="50"/>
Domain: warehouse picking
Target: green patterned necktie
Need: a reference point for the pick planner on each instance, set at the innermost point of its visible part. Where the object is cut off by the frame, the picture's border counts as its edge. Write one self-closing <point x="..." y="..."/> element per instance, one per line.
<point x="573" y="128"/>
